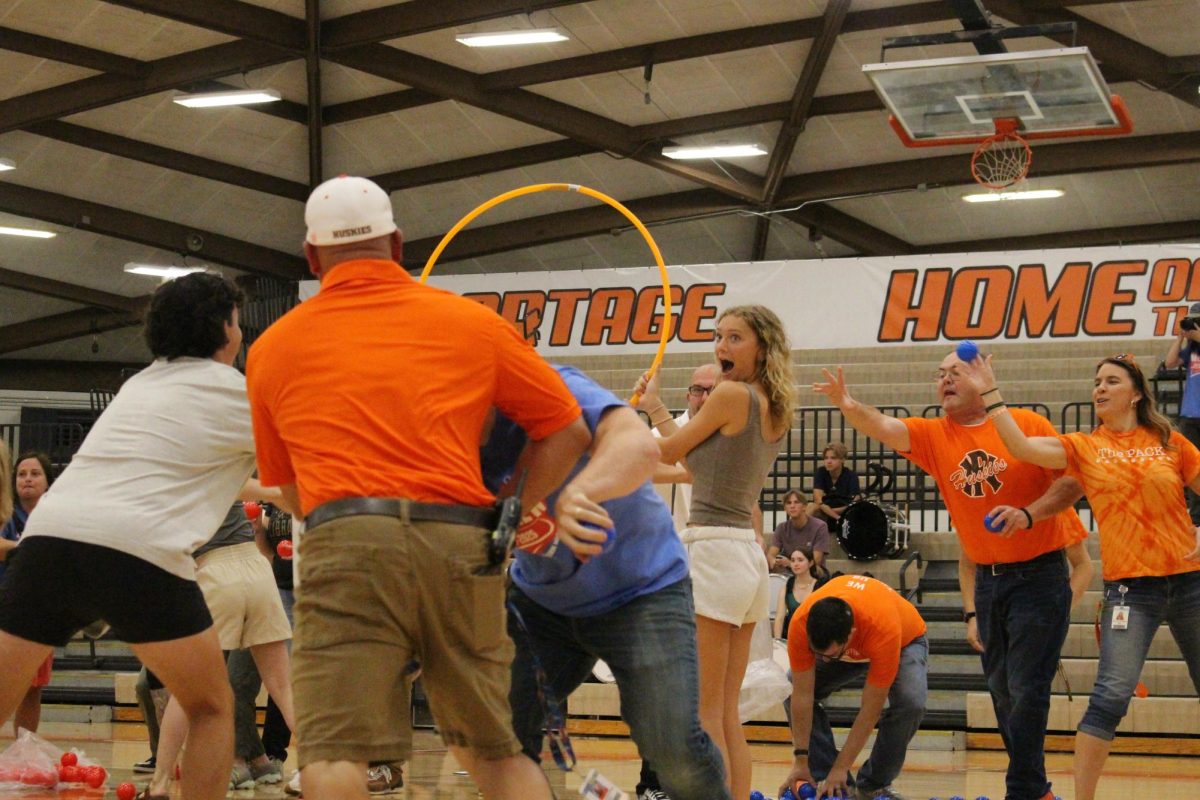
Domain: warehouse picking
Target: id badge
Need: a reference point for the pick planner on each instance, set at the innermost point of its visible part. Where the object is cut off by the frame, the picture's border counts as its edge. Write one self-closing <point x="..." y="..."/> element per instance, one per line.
<point x="1120" y="615"/>
<point x="1120" y="618"/>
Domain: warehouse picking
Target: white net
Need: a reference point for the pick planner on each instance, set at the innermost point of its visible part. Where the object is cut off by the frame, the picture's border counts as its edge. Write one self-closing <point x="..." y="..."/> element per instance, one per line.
<point x="1001" y="160"/>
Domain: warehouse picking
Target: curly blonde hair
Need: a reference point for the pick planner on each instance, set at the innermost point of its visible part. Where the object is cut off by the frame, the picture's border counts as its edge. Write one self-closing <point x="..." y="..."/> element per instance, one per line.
<point x="775" y="371"/>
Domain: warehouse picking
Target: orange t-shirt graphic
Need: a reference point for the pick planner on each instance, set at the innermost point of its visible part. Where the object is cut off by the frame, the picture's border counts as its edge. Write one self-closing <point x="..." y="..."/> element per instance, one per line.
<point x="884" y="622"/>
<point x="1135" y="488"/>
<point x="975" y="473"/>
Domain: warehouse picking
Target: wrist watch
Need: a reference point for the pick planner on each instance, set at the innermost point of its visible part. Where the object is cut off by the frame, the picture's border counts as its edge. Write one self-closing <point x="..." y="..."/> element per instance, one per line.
<point x="968" y="616"/>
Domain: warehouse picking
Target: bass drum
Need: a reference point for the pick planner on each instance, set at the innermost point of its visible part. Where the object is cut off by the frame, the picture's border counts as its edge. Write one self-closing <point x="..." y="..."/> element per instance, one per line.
<point x="864" y="532"/>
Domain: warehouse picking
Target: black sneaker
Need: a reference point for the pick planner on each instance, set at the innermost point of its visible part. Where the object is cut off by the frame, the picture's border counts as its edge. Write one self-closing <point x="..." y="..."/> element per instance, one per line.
<point x="146" y="766"/>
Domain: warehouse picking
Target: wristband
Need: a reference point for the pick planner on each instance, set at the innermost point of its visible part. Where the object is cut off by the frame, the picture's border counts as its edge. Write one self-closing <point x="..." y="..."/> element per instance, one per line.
<point x="968" y="616"/>
<point x="1003" y="409"/>
<point x="994" y="406"/>
<point x="989" y="391"/>
<point x="800" y="751"/>
<point x="1028" y="516"/>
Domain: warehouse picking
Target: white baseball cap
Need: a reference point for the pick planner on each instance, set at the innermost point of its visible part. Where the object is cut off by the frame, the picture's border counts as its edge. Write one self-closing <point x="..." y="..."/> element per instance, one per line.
<point x="347" y="209"/>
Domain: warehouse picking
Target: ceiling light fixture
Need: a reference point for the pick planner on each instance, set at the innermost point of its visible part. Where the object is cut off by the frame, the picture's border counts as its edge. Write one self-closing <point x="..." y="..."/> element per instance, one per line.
<point x="689" y="152"/>
<point x="505" y="38"/>
<point x="7" y="164"/>
<point x="1028" y="194"/>
<point x="165" y="272"/>
<point x="232" y="97"/>
<point x="30" y="232"/>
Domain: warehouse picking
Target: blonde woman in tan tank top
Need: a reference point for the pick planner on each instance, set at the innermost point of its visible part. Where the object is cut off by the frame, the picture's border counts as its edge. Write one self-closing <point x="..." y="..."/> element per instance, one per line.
<point x="729" y="448"/>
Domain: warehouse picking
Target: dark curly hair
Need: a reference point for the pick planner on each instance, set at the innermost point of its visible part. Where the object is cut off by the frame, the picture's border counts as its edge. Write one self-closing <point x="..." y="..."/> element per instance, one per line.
<point x="187" y="315"/>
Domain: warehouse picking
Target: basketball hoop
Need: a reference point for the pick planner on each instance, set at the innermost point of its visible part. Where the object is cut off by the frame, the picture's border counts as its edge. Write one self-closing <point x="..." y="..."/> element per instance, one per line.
<point x="1002" y="159"/>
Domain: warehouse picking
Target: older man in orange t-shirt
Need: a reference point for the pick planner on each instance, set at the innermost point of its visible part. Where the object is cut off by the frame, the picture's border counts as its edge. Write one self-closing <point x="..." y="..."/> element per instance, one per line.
<point x="1018" y="629"/>
<point x="368" y="403"/>
<point x="850" y="627"/>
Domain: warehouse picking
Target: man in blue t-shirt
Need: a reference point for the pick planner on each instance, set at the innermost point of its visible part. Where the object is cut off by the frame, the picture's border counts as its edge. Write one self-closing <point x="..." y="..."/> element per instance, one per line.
<point x="1185" y="352"/>
<point x="629" y="604"/>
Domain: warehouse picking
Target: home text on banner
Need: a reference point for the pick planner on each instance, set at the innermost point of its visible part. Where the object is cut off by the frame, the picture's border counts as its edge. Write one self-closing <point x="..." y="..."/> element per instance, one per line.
<point x="1026" y="296"/>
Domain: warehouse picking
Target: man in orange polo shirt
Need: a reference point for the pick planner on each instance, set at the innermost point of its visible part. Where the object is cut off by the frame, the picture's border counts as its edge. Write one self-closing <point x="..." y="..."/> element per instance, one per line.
<point x="368" y="403"/>
<point x="853" y="626"/>
<point x="1016" y="586"/>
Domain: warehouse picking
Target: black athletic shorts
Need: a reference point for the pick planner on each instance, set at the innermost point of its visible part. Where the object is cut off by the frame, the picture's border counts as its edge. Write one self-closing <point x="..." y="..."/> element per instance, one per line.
<point x="57" y="586"/>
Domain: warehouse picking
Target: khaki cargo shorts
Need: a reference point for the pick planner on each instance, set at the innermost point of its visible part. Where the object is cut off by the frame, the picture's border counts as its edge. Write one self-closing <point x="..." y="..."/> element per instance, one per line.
<point x="375" y="594"/>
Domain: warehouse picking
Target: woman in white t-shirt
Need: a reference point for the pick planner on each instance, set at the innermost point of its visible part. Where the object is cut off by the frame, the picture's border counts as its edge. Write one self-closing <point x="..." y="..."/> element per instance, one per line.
<point x="113" y="541"/>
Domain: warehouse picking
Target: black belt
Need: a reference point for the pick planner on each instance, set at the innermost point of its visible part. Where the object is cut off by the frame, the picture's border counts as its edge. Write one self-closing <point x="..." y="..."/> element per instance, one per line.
<point x="1050" y="557"/>
<point x="474" y="516"/>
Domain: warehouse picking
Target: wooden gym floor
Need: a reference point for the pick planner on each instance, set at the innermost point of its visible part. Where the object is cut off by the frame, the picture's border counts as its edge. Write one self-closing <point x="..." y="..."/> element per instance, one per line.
<point x="434" y="775"/>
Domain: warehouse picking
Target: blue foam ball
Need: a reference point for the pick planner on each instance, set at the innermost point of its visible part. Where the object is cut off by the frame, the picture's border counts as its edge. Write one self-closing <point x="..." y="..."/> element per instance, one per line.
<point x="757" y="795"/>
<point x="807" y="791"/>
<point x="999" y="525"/>
<point x="787" y="794"/>
<point x="610" y="533"/>
<point x="967" y="350"/>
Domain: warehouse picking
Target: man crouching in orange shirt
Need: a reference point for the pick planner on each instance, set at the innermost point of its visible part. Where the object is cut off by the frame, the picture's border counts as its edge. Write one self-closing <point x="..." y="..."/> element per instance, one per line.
<point x="853" y="626"/>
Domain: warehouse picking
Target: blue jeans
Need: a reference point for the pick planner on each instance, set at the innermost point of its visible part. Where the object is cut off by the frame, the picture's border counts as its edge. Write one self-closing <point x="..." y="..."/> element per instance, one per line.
<point x="1023" y="617"/>
<point x="650" y="645"/>
<point x="1174" y="599"/>
<point x="897" y="726"/>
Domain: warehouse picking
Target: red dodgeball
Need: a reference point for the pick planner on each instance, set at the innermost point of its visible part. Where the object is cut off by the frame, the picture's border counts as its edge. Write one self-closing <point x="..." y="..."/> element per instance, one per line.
<point x="284" y="549"/>
<point x="70" y="774"/>
<point x="93" y="776"/>
<point x="69" y="759"/>
<point x="126" y="791"/>
<point x="253" y="510"/>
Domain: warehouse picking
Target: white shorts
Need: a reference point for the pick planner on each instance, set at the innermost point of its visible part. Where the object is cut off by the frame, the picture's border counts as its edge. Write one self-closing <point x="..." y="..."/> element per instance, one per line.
<point x="729" y="574"/>
<point x="242" y="597"/>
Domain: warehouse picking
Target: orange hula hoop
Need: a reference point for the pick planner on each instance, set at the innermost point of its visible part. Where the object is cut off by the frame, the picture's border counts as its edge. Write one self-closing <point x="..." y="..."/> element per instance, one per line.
<point x="574" y="187"/>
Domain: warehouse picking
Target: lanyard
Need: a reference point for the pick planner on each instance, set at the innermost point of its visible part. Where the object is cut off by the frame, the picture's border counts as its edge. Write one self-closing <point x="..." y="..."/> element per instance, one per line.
<point x="556" y="723"/>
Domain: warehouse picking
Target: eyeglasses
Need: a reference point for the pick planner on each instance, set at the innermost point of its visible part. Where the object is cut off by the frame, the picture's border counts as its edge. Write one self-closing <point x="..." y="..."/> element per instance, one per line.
<point x="1128" y="357"/>
<point x="696" y="390"/>
<point x="827" y="658"/>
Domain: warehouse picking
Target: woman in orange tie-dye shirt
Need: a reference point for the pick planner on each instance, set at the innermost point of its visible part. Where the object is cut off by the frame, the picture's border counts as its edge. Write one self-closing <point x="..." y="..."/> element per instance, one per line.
<point x="1133" y="468"/>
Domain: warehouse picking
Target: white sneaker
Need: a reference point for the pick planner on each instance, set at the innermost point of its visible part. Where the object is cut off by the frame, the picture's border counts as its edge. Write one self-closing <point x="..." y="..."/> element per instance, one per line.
<point x="293" y="785"/>
<point x="653" y="794"/>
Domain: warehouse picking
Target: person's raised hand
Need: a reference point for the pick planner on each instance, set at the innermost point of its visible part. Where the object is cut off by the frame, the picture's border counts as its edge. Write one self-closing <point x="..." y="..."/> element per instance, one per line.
<point x="977" y="373"/>
<point x="834" y="387"/>
<point x="649" y="389"/>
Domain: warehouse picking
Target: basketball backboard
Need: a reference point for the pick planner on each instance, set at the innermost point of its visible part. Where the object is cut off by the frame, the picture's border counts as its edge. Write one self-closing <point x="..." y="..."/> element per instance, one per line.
<point x="1050" y="93"/>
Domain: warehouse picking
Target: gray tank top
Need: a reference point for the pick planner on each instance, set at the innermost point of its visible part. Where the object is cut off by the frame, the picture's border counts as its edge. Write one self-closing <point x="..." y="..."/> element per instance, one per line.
<point x="235" y="529"/>
<point x="728" y="473"/>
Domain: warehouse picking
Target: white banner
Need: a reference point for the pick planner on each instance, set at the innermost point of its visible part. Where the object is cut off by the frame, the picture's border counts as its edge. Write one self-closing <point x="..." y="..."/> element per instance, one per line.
<point x="1139" y="291"/>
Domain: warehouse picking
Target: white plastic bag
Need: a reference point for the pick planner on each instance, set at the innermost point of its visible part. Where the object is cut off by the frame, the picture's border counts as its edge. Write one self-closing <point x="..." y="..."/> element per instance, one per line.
<point x="766" y="683"/>
<point x="765" y="686"/>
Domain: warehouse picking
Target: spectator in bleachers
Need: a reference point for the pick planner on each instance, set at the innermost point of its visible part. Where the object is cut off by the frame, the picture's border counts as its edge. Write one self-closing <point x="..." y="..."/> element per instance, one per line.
<point x="32" y="476"/>
<point x="835" y="486"/>
<point x="1185" y="352"/>
<point x="1021" y="632"/>
<point x="113" y="540"/>
<point x="800" y="531"/>
<point x="1133" y="468"/>
<point x="730" y="447"/>
<point x="806" y="574"/>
